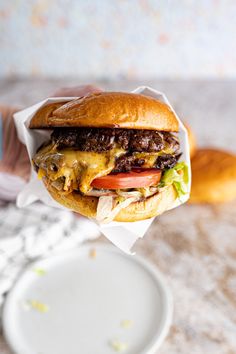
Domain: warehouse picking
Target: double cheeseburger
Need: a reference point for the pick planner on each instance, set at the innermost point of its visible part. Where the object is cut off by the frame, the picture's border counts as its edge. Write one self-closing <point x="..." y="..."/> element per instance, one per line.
<point x="111" y="156"/>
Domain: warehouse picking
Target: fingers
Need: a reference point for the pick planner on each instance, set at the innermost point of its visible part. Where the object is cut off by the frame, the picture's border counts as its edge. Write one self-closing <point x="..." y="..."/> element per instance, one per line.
<point x="15" y="159"/>
<point x="76" y="91"/>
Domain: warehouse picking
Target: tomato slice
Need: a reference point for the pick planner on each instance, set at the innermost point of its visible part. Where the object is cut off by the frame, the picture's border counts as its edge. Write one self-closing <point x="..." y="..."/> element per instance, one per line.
<point x="133" y="179"/>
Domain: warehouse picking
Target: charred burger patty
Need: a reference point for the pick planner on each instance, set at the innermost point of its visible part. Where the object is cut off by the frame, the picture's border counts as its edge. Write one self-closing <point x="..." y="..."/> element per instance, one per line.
<point x="75" y="157"/>
<point x="132" y="141"/>
<point x="101" y="139"/>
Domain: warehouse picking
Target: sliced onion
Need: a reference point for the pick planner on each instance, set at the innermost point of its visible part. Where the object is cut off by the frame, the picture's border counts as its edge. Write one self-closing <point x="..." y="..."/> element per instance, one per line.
<point x="105" y="210"/>
<point x="101" y="193"/>
<point x="58" y="184"/>
<point x="150" y="191"/>
<point x="135" y="194"/>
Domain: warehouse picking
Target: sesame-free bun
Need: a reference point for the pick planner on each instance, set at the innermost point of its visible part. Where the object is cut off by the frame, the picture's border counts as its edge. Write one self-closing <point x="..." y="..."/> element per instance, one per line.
<point x="213" y="176"/>
<point x="140" y="210"/>
<point x="43" y="115"/>
<point x="110" y="110"/>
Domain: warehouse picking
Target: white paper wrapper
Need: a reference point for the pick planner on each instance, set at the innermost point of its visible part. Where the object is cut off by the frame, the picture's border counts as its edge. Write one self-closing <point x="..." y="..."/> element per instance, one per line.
<point x="123" y="235"/>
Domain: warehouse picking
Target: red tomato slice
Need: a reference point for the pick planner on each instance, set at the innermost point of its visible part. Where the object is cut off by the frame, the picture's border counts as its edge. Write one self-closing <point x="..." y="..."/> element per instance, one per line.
<point x="133" y="179"/>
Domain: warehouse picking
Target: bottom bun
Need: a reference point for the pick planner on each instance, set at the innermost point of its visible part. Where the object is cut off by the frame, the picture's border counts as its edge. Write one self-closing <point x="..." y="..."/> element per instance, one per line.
<point x="140" y="210"/>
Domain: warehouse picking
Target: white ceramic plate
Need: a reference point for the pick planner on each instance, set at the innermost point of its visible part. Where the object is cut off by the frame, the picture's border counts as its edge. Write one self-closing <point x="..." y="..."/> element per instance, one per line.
<point x="93" y="305"/>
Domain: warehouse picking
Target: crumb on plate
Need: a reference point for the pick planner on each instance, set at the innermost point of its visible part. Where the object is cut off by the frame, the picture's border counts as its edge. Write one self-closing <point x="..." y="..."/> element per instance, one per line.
<point x="38" y="306"/>
<point x="39" y="271"/>
<point x="118" y="346"/>
<point x="126" y="323"/>
<point x="93" y="253"/>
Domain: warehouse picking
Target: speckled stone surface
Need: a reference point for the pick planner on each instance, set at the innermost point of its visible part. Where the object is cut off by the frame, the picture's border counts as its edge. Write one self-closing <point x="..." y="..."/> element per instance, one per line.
<point x="194" y="246"/>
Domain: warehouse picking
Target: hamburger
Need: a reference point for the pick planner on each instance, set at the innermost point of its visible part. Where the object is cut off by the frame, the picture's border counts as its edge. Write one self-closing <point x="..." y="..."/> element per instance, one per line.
<point x="111" y="156"/>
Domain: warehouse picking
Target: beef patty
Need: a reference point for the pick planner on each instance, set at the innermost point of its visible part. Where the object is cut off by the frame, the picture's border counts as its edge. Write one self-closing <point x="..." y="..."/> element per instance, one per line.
<point x="127" y="162"/>
<point x="100" y="139"/>
<point x="131" y="140"/>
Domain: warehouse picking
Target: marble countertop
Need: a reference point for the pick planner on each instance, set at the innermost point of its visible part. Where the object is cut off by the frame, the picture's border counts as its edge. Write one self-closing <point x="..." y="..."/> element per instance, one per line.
<point x="194" y="246"/>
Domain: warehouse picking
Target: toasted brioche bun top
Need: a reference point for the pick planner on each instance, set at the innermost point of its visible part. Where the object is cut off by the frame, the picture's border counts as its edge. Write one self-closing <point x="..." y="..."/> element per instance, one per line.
<point x="108" y="110"/>
<point x="213" y="176"/>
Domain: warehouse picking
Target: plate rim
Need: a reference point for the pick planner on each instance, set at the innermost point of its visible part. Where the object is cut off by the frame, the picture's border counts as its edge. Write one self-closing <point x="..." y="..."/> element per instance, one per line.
<point x="157" y="276"/>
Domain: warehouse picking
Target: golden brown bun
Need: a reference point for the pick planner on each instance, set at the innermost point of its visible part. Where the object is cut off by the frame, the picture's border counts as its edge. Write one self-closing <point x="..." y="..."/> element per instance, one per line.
<point x="141" y="210"/>
<point x="111" y="110"/>
<point x="44" y="114"/>
<point x="191" y="139"/>
<point x="213" y="176"/>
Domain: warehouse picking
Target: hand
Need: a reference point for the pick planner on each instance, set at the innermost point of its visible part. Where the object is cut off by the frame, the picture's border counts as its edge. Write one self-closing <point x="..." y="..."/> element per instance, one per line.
<point x="15" y="159"/>
<point x="76" y="91"/>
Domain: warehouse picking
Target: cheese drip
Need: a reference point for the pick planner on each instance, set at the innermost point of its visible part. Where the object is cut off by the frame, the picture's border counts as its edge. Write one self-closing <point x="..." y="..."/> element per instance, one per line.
<point x="151" y="157"/>
<point x="77" y="168"/>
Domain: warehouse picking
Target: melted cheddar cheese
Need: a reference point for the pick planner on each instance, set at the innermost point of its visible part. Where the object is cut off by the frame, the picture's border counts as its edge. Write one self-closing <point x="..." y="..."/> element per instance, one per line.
<point x="70" y="169"/>
<point x="150" y="157"/>
<point x="77" y="169"/>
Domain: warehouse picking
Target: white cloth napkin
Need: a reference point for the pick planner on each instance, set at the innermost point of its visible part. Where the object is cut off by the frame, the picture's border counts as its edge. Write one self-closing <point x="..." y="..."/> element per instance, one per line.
<point x="10" y="186"/>
<point x="36" y="231"/>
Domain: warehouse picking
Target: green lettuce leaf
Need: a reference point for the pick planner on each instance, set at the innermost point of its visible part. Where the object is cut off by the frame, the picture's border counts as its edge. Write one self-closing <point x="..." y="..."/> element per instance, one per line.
<point x="178" y="176"/>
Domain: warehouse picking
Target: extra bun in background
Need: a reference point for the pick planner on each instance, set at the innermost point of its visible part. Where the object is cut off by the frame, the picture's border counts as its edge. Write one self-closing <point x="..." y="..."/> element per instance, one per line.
<point x="108" y="110"/>
<point x="213" y="176"/>
<point x="140" y="210"/>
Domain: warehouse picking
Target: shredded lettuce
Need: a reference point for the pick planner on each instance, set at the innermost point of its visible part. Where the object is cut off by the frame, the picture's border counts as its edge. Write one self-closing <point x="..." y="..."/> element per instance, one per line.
<point x="38" y="306"/>
<point x="109" y="207"/>
<point x="39" y="271"/>
<point x="118" y="346"/>
<point x="178" y="176"/>
<point x="126" y="324"/>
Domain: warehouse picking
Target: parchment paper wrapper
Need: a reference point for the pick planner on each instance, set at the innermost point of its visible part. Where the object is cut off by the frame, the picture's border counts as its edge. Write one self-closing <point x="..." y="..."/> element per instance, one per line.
<point x="123" y="235"/>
